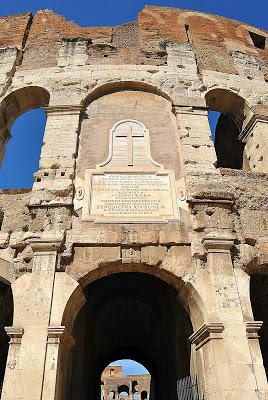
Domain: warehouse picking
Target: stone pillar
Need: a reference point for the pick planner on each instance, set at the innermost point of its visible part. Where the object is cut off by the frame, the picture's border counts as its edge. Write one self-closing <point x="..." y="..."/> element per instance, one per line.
<point x="15" y="334"/>
<point x="252" y="328"/>
<point x="195" y="136"/>
<point x="33" y="298"/>
<point x="228" y="363"/>
<point x="210" y="359"/>
<point x="58" y="343"/>
<point x="255" y="137"/>
<point x="57" y="161"/>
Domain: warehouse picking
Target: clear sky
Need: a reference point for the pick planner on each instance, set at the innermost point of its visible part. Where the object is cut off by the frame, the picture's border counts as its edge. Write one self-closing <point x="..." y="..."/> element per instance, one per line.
<point x="20" y="163"/>
<point x="113" y="12"/>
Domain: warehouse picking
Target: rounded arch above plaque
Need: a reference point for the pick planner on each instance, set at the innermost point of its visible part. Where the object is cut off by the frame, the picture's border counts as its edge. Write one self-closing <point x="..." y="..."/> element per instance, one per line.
<point x="129" y="186"/>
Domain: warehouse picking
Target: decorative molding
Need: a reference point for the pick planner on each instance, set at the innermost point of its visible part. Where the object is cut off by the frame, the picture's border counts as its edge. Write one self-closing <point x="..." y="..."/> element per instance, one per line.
<point x="207" y="332"/>
<point x="45" y="243"/>
<point x="15" y="334"/>
<point x="252" y="328"/>
<point x="188" y="109"/>
<point x="67" y="109"/>
<point x="218" y="244"/>
<point x="58" y="335"/>
<point x="194" y="201"/>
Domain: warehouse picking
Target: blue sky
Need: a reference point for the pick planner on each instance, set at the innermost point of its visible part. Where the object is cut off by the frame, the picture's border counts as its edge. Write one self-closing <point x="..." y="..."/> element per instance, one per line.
<point x="131" y="367"/>
<point x="20" y="162"/>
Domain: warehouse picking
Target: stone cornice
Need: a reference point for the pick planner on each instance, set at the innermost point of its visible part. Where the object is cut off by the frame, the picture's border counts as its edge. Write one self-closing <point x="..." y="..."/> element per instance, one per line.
<point x="188" y="109"/>
<point x="67" y="109"/>
<point x="45" y="241"/>
<point x="207" y="332"/>
<point x="194" y="201"/>
<point x="58" y="334"/>
<point x="217" y="244"/>
<point x="252" y="328"/>
<point x="39" y="245"/>
<point x="15" y="333"/>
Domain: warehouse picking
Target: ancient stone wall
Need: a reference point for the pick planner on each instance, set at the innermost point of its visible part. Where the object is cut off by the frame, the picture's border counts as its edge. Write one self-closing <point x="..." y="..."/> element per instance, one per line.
<point x="131" y="216"/>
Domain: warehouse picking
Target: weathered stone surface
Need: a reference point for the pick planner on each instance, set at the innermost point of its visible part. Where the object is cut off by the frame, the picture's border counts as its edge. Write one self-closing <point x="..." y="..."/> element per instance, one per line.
<point x="130" y="104"/>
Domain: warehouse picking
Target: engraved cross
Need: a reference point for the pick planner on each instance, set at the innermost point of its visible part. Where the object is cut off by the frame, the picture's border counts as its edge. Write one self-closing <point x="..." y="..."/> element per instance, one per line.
<point x="129" y="134"/>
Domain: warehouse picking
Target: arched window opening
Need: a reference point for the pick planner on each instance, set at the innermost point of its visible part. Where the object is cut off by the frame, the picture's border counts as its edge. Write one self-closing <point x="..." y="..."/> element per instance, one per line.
<point x="6" y="318"/>
<point x="22" y="151"/>
<point x="144" y="395"/>
<point x="259" y="304"/>
<point x="130" y="316"/>
<point x="22" y="123"/>
<point x="122" y="380"/>
<point x="227" y="113"/>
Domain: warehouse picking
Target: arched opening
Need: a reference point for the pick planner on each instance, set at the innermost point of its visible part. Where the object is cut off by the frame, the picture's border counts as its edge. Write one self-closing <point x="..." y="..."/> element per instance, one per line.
<point x="259" y="304"/>
<point x="22" y="151"/>
<point x="227" y="114"/>
<point x="125" y="379"/>
<point x="6" y="318"/>
<point x="22" y="124"/>
<point x="136" y="316"/>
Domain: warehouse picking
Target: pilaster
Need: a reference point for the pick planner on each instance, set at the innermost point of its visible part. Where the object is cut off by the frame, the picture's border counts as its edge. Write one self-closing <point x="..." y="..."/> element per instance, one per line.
<point x="255" y="137"/>
<point x="232" y="356"/>
<point x="33" y="298"/>
<point x="195" y="136"/>
<point x="58" y="344"/>
<point x="54" y="180"/>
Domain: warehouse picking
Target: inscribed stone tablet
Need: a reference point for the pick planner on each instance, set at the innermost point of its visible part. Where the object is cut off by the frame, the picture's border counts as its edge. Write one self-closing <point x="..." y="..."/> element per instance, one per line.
<point x="132" y="197"/>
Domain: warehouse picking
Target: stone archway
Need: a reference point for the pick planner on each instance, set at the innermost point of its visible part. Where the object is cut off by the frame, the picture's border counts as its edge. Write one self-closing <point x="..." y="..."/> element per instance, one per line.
<point x="130" y="315"/>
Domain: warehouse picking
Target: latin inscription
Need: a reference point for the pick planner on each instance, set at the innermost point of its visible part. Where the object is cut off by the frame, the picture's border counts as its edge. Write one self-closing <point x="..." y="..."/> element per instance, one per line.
<point x="131" y="195"/>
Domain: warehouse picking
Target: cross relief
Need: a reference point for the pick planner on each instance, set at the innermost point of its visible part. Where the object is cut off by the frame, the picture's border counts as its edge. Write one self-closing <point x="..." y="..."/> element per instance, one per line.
<point x="130" y="135"/>
<point x="129" y="146"/>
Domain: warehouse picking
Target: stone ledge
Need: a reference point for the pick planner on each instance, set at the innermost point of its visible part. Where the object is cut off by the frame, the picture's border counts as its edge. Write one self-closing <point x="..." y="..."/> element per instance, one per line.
<point x="252" y="328"/>
<point x="58" y="335"/>
<point x="207" y="332"/>
<point x="15" y="334"/>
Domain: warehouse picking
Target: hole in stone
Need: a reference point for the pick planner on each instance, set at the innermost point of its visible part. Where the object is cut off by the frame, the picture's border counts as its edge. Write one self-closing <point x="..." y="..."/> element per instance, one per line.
<point x="258" y="40"/>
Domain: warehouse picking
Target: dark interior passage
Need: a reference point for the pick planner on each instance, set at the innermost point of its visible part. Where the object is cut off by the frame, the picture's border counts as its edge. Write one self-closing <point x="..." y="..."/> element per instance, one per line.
<point x="259" y="303"/>
<point x="6" y="317"/>
<point x="130" y="315"/>
<point x="229" y="148"/>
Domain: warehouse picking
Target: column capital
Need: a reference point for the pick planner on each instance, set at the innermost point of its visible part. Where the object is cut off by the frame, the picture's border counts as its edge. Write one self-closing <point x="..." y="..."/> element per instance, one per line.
<point x="217" y="244"/>
<point x="66" y="109"/>
<point x="15" y="333"/>
<point x="207" y="332"/>
<point x="252" y="328"/>
<point x="58" y="334"/>
<point x="41" y="246"/>
<point x="46" y="242"/>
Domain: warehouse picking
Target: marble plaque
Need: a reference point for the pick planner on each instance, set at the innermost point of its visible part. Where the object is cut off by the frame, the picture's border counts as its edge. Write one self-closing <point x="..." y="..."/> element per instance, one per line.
<point x="129" y="186"/>
<point x="131" y="197"/>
